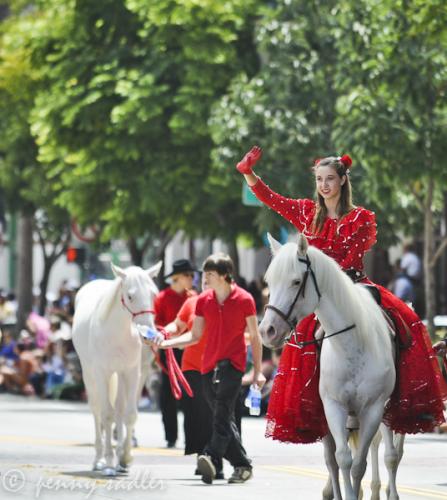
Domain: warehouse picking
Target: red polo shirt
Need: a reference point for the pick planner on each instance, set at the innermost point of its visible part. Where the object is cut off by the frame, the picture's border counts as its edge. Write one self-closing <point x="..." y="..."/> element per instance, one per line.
<point x="225" y="324"/>
<point x="192" y="355"/>
<point x="167" y="304"/>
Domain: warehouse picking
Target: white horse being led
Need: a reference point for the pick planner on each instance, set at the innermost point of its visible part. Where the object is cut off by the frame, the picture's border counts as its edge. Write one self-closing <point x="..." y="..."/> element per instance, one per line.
<point x="357" y="372"/>
<point x="109" y="348"/>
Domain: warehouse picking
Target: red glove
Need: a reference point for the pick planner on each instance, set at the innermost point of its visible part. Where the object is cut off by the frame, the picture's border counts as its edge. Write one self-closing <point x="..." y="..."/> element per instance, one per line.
<point x="249" y="160"/>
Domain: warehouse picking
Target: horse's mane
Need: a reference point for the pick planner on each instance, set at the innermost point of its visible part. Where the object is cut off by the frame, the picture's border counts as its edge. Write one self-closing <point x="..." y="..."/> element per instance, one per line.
<point x="109" y="298"/>
<point x="353" y="301"/>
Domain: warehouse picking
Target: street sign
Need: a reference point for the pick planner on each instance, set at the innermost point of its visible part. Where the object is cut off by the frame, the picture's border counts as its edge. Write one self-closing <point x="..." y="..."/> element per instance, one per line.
<point x="248" y="198"/>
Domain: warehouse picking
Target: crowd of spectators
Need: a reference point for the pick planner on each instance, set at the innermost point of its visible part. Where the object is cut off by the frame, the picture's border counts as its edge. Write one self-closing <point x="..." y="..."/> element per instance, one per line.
<point x="40" y="359"/>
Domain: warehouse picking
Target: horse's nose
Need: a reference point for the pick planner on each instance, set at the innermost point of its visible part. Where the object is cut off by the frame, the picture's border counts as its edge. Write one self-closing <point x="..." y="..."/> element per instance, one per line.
<point x="271" y="332"/>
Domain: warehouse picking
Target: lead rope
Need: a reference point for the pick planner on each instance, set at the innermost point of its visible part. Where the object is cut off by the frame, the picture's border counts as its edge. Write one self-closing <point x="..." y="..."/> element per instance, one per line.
<point x="173" y="371"/>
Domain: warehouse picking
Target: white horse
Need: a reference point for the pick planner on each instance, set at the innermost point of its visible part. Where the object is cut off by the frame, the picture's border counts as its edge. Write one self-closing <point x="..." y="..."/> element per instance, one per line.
<point x="109" y="348"/>
<point x="357" y="372"/>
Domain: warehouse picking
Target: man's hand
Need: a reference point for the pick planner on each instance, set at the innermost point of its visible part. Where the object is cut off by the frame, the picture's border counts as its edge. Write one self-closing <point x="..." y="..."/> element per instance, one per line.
<point x="440" y="348"/>
<point x="259" y="380"/>
<point x="149" y="336"/>
<point x="245" y="166"/>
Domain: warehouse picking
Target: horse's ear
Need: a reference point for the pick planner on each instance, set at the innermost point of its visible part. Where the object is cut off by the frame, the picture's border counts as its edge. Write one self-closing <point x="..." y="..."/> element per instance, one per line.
<point x="275" y="246"/>
<point x="154" y="270"/>
<point x="303" y="245"/>
<point x="117" y="271"/>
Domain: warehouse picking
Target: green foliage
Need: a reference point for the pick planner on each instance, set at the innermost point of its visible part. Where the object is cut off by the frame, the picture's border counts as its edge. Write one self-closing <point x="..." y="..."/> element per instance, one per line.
<point x="392" y="110"/>
<point x="122" y="123"/>
<point x="288" y="106"/>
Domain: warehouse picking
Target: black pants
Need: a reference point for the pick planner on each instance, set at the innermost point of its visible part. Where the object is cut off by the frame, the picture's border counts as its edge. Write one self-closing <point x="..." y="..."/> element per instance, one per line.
<point x="221" y="388"/>
<point x="197" y="415"/>
<point x="168" y="404"/>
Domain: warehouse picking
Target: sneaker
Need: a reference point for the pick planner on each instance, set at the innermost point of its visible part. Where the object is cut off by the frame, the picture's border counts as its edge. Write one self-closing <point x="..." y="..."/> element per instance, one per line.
<point x="219" y="474"/>
<point x="240" y="475"/>
<point x="206" y="468"/>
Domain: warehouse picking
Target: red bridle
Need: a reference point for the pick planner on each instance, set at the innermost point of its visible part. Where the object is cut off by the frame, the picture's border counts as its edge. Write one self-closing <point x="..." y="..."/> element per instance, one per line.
<point x="134" y="314"/>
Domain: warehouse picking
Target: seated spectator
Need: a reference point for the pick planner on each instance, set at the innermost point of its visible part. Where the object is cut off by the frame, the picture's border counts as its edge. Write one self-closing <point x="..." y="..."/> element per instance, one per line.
<point x="39" y="327"/>
<point x="7" y="310"/>
<point x="53" y="367"/>
<point x="8" y="349"/>
<point x="17" y="378"/>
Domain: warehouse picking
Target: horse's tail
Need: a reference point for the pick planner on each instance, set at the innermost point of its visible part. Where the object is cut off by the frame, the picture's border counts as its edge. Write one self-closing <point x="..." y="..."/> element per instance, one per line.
<point x="354" y="440"/>
<point x="113" y="388"/>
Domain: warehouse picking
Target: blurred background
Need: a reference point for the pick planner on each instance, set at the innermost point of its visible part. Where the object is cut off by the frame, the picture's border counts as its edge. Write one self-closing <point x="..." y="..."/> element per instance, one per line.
<point x="121" y="122"/>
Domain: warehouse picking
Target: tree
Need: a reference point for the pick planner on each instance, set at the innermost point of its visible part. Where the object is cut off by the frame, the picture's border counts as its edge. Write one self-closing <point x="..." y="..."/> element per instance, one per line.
<point x="288" y="106"/>
<point x="122" y="123"/>
<point x="20" y="170"/>
<point x="393" y="110"/>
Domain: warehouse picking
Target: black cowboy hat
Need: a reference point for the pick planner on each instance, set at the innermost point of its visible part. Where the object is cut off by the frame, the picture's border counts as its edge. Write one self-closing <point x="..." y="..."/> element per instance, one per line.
<point x="181" y="266"/>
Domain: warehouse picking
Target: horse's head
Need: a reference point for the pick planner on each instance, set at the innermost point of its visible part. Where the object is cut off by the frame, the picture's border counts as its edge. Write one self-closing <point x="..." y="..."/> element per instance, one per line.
<point x="293" y="290"/>
<point x="138" y="291"/>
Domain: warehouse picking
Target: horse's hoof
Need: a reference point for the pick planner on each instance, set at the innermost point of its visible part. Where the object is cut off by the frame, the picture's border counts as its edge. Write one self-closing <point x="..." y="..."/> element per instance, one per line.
<point x="99" y="465"/>
<point x="122" y="469"/>
<point x="109" y="472"/>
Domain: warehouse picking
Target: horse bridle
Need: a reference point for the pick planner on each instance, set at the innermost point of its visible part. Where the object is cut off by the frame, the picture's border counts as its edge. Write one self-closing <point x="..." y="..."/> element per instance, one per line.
<point x="301" y="291"/>
<point x="135" y="314"/>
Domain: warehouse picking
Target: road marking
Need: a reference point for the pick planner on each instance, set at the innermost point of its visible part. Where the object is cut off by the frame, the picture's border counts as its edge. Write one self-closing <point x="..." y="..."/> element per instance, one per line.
<point x="299" y="471"/>
<point x="59" y="442"/>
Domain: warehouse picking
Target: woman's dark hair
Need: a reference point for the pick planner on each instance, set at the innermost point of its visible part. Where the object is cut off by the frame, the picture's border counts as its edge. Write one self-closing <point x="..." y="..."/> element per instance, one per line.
<point x="345" y="204"/>
<point x="221" y="263"/>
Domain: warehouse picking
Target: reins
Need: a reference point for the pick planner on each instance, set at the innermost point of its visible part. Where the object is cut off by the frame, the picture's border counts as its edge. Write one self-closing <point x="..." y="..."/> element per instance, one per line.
<point x="300" y="345"/>
<point x="175" y="374"/>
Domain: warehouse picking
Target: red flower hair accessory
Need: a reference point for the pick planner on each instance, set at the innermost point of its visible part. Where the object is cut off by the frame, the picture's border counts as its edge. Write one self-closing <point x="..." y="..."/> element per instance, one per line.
<point x="346" y="160"/>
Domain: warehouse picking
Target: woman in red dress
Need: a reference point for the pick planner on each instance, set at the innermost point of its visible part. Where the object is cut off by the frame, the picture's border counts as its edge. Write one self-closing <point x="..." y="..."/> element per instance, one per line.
<point x="344" y="232"/>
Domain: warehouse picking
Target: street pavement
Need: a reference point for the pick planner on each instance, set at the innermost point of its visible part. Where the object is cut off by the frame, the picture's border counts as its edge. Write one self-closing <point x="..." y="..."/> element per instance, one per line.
<point x="46" y="451"/>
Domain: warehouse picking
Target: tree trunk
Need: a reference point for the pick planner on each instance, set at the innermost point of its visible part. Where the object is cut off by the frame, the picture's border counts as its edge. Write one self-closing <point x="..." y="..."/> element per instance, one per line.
<point x="429" y="267"/>
<point x="165" y="239"/>
<point x="136" y="254"/>
<point x="48" y="264"/>
<point x="234" y="254"/>
<point x="25" y="270"/>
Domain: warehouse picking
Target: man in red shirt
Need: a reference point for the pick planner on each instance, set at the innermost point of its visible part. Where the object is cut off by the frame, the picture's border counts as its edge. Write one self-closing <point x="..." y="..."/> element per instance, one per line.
<point x="167" y="304"/>
<point x="226" y="310"/>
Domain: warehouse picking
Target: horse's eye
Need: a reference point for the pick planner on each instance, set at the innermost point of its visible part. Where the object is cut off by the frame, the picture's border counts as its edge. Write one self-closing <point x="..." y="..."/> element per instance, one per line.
<point x="296" y="283"/>
<point x="129" y="297"/>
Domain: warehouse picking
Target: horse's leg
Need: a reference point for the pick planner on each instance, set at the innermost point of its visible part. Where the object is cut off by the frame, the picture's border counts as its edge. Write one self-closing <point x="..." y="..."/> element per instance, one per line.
<point x="393" y="455"/>
<point x="370" y="419"/>
<point x="104" y="383"/>
<point x="119" y="420"/>
<point x="336" y="417"/>
<point x="332" y="488"/>
<point x="130" y="381"/>
<point x="375" y="479"/>
<point x="95" y="407"/>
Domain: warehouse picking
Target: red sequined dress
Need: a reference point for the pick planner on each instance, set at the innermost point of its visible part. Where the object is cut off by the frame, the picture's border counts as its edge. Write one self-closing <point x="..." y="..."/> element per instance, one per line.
<point x="295" y="413"/>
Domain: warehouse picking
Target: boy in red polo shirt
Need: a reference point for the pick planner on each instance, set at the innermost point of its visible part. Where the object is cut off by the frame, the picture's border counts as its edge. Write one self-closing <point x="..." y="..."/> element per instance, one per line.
<point x="197" y="414"/>
<point x="227" y="311"/>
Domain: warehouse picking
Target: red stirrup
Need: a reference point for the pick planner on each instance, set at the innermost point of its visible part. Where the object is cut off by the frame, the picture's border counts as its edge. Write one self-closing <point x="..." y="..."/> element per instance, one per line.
<point x="174" y="372"/>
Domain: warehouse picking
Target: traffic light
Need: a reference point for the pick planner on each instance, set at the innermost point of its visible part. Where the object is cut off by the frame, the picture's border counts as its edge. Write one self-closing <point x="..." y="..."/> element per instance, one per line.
<point x="76" y="255"/>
